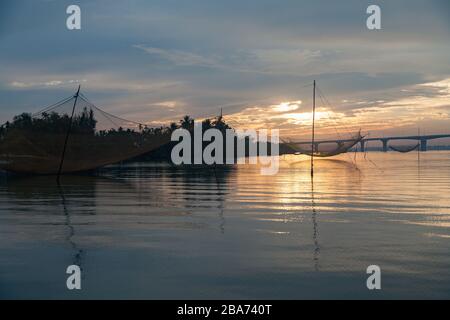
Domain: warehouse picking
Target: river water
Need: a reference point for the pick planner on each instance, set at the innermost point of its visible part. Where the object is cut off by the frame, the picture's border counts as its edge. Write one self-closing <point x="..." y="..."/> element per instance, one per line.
<point x="154" y="231"/>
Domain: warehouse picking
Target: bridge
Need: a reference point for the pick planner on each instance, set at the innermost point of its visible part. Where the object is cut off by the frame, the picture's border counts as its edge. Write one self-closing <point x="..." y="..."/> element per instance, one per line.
<point x="422" y="139"/>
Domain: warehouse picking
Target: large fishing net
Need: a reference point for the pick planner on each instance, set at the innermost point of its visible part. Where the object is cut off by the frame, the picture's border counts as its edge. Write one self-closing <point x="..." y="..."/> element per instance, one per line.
<point x="325" y="148"/>
<point x="73" y="135"/>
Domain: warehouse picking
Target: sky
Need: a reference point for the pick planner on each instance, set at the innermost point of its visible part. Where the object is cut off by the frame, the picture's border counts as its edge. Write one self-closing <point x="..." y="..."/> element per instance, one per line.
<point x="155" y="61"/>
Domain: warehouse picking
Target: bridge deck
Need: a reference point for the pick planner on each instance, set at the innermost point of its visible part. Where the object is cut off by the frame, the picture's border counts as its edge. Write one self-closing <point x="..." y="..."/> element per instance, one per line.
<point x="419" y="138"/>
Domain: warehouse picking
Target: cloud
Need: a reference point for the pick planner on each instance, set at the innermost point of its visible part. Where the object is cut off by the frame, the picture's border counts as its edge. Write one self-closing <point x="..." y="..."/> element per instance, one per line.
<point x="93" y="81"/>
<point x="157" y="60"/>
<point x="265" y="61"/>
<point x="405" y="113"/>
<point x="240" y="61"/>
<point x="181" y="58"/>
<point x="50" y="83"/>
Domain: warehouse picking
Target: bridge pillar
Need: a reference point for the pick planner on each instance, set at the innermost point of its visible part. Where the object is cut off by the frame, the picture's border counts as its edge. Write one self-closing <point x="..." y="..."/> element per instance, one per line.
<point x="423" y="144"/>
<point x="385" y="145"/>
<point x="316" y="147"/>
<point x="363" y="147"/>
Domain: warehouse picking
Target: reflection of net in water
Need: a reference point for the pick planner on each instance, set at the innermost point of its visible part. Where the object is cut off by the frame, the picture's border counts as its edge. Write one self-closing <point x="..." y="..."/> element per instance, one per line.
<point x="325" y="149"/>
<point x="93" y="138"/>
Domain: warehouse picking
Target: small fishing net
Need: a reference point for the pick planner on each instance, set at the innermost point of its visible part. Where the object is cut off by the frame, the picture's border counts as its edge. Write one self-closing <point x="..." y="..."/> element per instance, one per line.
<point x="405" y="149"/>
<point x="73" y="135"/>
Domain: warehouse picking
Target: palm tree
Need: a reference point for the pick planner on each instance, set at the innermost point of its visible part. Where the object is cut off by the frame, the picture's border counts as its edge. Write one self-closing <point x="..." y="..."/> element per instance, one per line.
<point x="187" y="123"/>
<point x="220" y="124"/>
<point x="173" y="126"/>
<point x="206" y="124"/>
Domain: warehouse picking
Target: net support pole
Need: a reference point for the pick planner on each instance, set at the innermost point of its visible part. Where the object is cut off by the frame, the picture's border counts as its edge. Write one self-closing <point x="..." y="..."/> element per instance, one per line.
<point x="313" y="123"/>
<point x="67" y="134"/>
<point x="418" y="147"/>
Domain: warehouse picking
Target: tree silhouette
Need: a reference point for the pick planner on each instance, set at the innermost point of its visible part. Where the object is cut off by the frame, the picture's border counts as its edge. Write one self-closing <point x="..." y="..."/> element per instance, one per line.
<point x="187" y="123"/>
